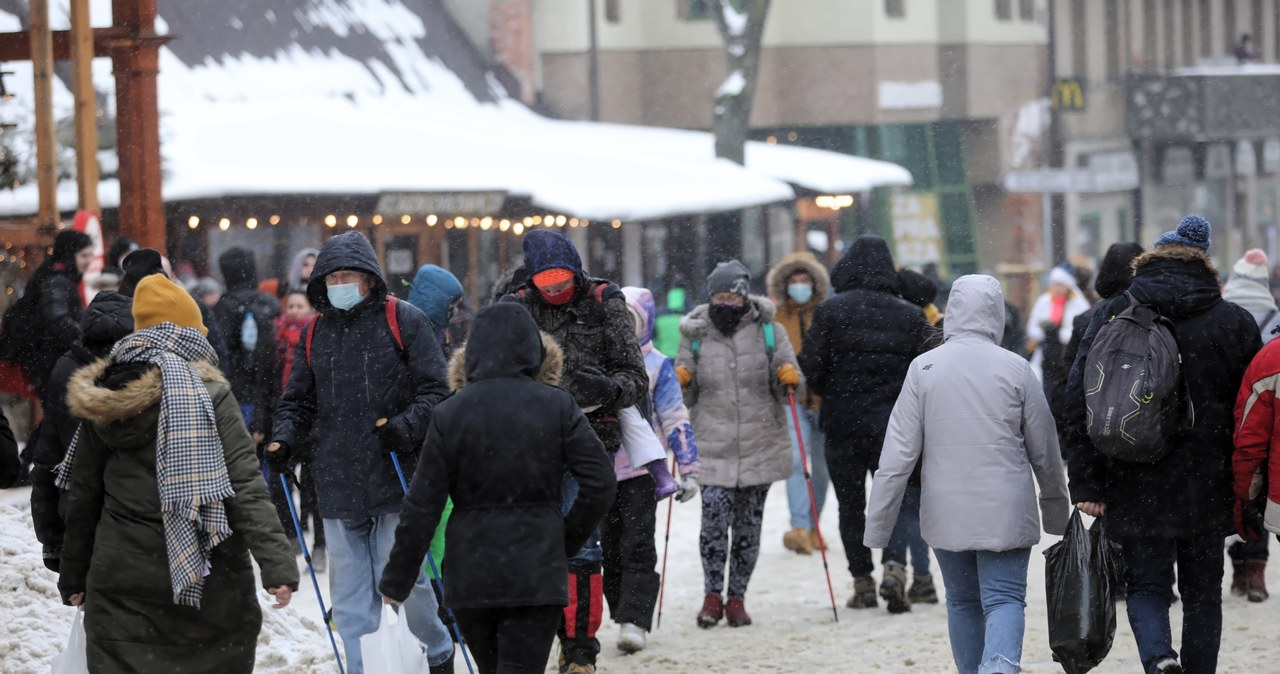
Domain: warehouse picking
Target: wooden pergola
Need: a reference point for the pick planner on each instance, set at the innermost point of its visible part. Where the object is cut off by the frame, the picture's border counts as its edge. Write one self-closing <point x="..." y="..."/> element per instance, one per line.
<point x="134" y="48"/>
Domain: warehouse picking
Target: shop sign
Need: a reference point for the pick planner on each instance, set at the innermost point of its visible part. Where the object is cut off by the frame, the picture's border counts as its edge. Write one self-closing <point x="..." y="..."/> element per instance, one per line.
<point x="440" y="203"/>
<point x="1217" y="161"/>
<point x="917" y="234"/>
<point x="1178" y="166"/>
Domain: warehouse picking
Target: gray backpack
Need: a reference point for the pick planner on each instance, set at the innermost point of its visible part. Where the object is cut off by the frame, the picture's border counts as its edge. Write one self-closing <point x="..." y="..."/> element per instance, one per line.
<point x="1135" y="397"/>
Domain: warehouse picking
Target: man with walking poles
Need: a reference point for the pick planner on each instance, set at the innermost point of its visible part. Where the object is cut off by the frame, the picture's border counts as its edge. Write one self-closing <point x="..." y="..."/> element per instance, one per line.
<point x="365" y="359"/>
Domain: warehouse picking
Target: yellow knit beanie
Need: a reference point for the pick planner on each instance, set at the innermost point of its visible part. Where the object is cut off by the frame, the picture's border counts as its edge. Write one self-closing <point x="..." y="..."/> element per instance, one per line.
<point x="158" y="300"/>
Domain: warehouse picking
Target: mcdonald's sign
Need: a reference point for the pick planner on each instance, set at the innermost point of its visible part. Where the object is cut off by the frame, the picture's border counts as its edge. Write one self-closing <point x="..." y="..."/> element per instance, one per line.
<point x="1067" y="94"/>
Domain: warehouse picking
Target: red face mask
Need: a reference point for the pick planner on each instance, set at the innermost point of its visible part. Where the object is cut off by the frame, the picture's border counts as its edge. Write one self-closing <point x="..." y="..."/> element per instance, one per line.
<point x="560" y="298"/>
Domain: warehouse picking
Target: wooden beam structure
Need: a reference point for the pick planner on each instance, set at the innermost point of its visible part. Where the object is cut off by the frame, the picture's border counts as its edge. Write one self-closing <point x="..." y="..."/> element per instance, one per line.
<point x="86" y="108"/>
<point x="17" y="46"/>
<point x="136" y="63"/>
<point x="41" y="56"/>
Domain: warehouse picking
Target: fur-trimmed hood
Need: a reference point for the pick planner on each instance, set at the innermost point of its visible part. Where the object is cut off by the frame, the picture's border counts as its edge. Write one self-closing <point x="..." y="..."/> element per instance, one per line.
<point x="549" y="373"/>
<point x="804" y="261"/>
<point x="89" y="398"/>
<point x="698" y="322"/>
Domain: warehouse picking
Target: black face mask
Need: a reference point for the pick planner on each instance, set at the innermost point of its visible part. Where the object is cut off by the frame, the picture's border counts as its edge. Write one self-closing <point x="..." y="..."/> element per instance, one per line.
<point x="727" y="317"/>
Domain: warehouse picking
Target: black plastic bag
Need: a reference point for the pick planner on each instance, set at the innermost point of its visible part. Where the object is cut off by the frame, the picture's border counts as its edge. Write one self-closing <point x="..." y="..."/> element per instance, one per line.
<point x="1082" y="572"/>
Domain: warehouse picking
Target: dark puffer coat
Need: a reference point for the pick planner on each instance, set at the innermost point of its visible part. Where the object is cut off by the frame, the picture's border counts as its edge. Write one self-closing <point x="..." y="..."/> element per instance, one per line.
<point x="1188" y="492"/>
<point x="254" y="375"/>
<point x="507" y="540"/>
<point x="357" y="375"/>
<point x="862" y="341"/>
<point x="115" y="549"/>
<point x="46" y="320"/>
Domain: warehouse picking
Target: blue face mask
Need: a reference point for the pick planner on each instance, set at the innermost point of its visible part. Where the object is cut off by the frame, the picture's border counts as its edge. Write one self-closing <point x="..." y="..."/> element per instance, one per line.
<point x="344" y="296"/>
<point x="800" y="292"/>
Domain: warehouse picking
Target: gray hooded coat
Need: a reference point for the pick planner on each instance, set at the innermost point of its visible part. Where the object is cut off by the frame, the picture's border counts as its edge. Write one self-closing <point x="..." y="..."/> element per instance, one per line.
<point x="978" y="415"/>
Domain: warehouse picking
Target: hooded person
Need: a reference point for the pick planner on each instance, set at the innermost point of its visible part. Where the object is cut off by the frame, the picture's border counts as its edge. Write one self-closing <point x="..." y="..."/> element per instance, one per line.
<point x="246" y="318"/>
<point x="165" y="502"/>
<point x="107" y="320"/>
<point x="1248" y="286"/>
<point x="797" y="285"/>
<point x="605" y="374"/>
<point x="973" y="416"/>
<point x="364" y="387"/>
<point x="627" y="536"/>
<point x="735" y="362"/>
<point x="437" y="293"/>
<point x="1176" y="510"/>
<point x="300" y="270"/>
<point x="856" y="356"/>
<point x="506" y="480"/>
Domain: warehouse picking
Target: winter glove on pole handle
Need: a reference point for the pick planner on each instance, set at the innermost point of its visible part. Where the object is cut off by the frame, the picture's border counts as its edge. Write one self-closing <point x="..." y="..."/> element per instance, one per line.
<point x="390" y="438"/>
<point x="277" y="457"/>
<point x="689" y="488"/>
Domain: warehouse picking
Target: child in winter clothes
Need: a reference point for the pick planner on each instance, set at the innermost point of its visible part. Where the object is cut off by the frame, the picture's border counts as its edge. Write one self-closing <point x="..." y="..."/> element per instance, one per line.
<point x="734" y="378"/>
<point x="630" y="583"/>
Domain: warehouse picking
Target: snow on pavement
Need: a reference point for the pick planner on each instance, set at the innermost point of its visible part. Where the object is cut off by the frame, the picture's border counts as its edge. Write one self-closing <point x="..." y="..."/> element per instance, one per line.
<point x="793" y="630"/>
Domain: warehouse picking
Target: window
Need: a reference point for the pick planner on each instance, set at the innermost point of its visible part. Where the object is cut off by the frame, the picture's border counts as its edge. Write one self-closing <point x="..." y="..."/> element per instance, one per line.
<point x="1027" y="10"/>
<point x="694" y="10"/>
<point x="1170" y="51"/>
<point x="1089" y="235"/>
<point x="895" y="9"/>
<point x="1004" y="10"/>
<point x="1150" y="40"/>
<point x="1229" y="26"/>
<point x="1206" y="38"/>
<point x="1115" y="44"/>
<point x="613" y="11"/>
<point x="1079" y="48"/>
<point x="1188" y="35"/>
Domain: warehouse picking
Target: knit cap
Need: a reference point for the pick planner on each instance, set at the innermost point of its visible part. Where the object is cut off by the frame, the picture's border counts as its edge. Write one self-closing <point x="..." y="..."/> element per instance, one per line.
<point x="1254" y="265"/>
<point x="1192" y="232"/>
<point x="158" y="300"/>
<point x="729" y="277"/>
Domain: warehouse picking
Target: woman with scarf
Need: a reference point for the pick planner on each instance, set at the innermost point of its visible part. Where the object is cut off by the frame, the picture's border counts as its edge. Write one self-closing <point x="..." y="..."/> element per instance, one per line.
<point x="735" y="374"/>
<point x="165" y="502"/>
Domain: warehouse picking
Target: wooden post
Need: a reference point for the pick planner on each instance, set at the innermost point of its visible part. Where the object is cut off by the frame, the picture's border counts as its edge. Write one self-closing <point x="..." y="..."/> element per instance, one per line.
<point x="46" y="138"/>
<point x="86" y="107"/>
<point x="135" y="67"/>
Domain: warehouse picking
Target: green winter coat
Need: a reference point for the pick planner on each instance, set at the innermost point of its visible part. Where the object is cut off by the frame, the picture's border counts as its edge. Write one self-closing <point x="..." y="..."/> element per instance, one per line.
<point x="115" y="551"/>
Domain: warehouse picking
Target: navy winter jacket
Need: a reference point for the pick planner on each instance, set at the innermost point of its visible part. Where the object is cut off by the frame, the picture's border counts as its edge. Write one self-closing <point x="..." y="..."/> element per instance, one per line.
<point x="357" y="375"/>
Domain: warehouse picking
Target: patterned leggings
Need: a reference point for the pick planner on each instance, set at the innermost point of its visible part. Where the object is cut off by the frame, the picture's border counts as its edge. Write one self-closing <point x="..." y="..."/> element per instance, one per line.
<point x="740" y="509"/>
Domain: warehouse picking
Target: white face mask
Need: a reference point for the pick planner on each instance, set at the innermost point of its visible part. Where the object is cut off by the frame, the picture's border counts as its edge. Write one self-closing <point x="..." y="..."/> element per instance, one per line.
<point x="344" y="296"/>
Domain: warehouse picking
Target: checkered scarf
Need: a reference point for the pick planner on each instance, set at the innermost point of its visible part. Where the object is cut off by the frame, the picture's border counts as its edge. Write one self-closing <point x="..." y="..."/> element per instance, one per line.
<point x="190" y="466"/>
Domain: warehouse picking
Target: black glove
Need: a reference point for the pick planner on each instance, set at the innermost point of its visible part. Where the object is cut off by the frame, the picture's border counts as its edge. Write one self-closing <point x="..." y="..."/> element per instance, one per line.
<point x="591" y="387"/>
<point x="392" y="439"/>
<point x="52" y="558"/>
<point x="277" y="461"/>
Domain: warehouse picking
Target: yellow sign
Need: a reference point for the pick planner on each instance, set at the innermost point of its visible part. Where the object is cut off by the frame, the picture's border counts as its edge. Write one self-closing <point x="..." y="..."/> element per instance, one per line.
<point x="917" y="234"/>
<point x="1067" y="94"/>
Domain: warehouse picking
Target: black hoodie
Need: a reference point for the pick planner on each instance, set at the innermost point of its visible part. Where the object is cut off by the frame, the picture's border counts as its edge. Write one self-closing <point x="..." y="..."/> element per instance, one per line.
<point x="356" y="375"/>
<point x="862" y="341"/>
<point x="254" y="374"/>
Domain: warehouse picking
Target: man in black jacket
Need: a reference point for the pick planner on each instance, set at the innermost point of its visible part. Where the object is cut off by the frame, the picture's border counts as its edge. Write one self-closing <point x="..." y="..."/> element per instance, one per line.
<point x="1176" y="510"/>
<point x="356" y="370"/>
<point x="246" y="319"/>
<point x="507" y="540"/>
<point x="856" y="357"/>
<point x="604" y="372"/>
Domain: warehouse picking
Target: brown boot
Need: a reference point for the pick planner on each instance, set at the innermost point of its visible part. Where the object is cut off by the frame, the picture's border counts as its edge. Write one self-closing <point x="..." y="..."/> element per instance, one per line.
<point x="712" y="611"/>
<point x="797" y="540"/>
<point x="894" y="588"/>
<point x="1255" y="580"/>
<point x="1237" y="579"/>
<point x="736" y="612"/>
<point x="864" y="593"/>
<point x="815" y="541"/>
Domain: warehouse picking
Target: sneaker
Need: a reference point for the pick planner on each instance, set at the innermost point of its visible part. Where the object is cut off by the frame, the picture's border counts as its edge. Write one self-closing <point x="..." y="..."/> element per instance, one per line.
<point x="631" y="638"/>
<point x="1255" y="580"/>
<point x="922" y="590"/>
<point x="894" y="588"/>
<point x="864" y="593"/>
<point x="712" y="611"/>
<point x="1169" y="666"/>
<point x="797" y="541"/>
<point x="736" y="612"/>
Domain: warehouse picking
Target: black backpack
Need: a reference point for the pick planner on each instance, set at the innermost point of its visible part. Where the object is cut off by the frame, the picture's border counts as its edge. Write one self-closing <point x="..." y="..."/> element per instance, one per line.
<point x="1135" y="396"/>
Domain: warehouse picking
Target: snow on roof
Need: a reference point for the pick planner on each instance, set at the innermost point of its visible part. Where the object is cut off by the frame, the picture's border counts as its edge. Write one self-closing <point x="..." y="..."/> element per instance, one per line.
<point x="366" y="96"/>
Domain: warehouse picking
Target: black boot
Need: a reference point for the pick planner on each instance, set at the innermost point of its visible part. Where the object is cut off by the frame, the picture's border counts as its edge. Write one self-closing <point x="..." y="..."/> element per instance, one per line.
<point x="445" y="667"/>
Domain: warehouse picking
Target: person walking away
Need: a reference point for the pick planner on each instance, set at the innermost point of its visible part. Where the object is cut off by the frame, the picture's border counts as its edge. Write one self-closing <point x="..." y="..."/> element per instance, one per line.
<point x="630" y="554"/>
<point x="505" y="480"/>
<point x="1256" y="473"/>
<point x="370" y="358"/>
<point x="437" y="293"/>
<point x="797" y="285"/>
<point x="1114" y="276"/>
<point x="605" y="373"/>
<point x="974" y="416"/>
<point x="107" y="320"/>
<point x="290" y="325"/>
<point x="166" y="502"/>
<point x="856" y="356"/>
<point x="1176" y="510"/>
<point x="735" y="362"/>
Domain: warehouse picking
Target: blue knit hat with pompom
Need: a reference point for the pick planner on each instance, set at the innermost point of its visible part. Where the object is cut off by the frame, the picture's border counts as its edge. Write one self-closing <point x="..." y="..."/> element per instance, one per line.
<point x="1192" y="232"/>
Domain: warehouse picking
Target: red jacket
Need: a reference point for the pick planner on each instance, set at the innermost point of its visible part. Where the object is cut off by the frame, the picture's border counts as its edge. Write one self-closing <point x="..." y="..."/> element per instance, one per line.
<point x="288" y="332"/>
<point x="1257" y="441"/>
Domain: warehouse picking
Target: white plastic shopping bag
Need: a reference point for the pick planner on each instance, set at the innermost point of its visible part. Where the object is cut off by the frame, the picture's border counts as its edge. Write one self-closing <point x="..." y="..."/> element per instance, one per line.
<point x="392" y="649"/>
<point x="73" y="659"/>
<point x="638" y="438"/>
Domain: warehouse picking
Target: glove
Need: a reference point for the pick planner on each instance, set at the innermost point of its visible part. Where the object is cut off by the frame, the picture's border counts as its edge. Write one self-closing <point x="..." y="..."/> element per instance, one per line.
<point x="788" y="376"/>
<point x="592" y="388"/>
<point x="689" y="488"/>
<point x="1247" y="515"/>
<point x="52" y="558"/>
<point x="390" y="438"/>
<point x="277" y="457"/>
<point x="685" y="375"/>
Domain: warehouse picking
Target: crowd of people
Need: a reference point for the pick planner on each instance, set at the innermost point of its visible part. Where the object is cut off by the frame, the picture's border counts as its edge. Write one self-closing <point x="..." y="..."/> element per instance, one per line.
<point x="496" y="476"/>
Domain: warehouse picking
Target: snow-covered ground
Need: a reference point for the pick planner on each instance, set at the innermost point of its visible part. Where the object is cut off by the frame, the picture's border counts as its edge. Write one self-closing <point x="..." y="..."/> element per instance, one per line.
<point x="793" y="630"/>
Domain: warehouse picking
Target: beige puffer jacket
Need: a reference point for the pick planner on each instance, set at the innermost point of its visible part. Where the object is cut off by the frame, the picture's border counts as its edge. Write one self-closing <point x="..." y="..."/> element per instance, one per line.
<point x="737" y="405"/>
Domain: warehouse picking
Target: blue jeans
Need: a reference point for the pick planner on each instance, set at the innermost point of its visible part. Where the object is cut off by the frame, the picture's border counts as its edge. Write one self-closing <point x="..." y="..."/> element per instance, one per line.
<point x="1148" y="572"/>
<point x="906" y="534"/>
<point x="815" y="448"/>
<point x="358" y="551"/>
<point x="986" y="604"/>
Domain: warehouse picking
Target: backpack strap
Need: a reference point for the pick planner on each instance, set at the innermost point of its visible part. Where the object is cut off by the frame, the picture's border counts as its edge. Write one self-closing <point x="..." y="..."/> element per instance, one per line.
<point x="770" y="340"/>
<point x="393" y="322"/>
<point x="696" y="347"/>
<point x="311" y="332"/>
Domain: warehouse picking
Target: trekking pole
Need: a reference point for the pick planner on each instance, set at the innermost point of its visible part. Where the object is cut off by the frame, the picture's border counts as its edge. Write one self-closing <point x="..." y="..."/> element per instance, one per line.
<point x="813" y="503"/>
<point x="435" y="574"/>
<point x="306" y="554"/>
<point x="666" y="543"/>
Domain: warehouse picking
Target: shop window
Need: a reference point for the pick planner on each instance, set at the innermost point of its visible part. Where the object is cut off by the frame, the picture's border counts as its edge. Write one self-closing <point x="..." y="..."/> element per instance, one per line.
<point x="908" y="146"/>
<point x="1027" y="10"/>
<point x="613" y="11"/>
<point x="948" y="147"/>
<point x="957" y="222"/>
<point x="1004" y="10"/>
<point x="895" y="9"/>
